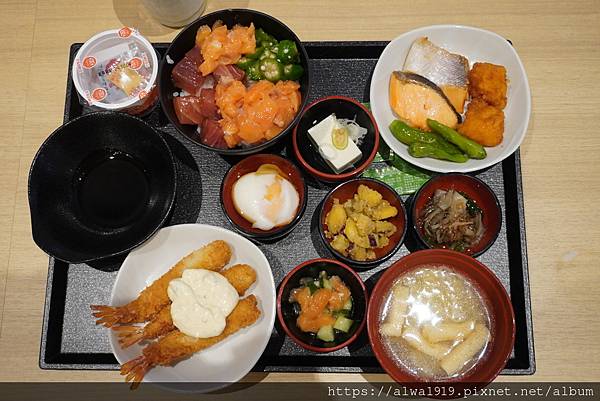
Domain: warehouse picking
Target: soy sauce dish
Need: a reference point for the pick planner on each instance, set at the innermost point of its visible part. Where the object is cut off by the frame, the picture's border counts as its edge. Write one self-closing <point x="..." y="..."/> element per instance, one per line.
<point x="336" y="139"/>
<point x="458" y="212"/>
<point x="99" y="186"/>
<point x="321" y="305"/>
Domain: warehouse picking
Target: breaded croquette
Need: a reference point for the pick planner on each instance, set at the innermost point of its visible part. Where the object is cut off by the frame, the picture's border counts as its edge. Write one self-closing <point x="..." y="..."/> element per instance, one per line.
<point x="483" y="123"/>
<point x="488" y="82"/>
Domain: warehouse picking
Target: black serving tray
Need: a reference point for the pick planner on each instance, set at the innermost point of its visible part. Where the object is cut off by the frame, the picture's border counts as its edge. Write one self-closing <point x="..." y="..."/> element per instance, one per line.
<point x="71" y="340"/>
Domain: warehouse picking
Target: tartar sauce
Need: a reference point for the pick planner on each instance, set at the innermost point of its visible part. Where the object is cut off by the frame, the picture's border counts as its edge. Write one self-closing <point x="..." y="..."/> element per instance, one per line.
<point x="201" y="300"/>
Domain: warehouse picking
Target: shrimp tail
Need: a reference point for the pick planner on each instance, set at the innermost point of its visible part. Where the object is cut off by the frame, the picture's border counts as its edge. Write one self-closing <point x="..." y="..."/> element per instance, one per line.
<point x="129" y="335"/>
<point x="135" y="370"/>
<point x="107" y="316"/>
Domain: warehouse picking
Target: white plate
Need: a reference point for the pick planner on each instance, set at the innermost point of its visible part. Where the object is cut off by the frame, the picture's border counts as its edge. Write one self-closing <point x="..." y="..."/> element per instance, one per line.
<point x="476" y="45"/>
<point x="227" y="361"/>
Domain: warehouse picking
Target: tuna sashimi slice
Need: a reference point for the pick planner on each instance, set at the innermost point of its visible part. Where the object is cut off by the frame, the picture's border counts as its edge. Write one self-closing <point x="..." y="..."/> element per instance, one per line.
<point x="185" y="75"/>
<point x="207" y="106"/>
<point x="227" y="73"/>
<point x="211" y="134"/>
<point x="186" y="109"/>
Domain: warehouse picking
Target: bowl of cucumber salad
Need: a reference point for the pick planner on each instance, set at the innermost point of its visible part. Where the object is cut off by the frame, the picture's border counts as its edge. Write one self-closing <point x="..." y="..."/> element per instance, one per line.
<point x="321" y="305"/>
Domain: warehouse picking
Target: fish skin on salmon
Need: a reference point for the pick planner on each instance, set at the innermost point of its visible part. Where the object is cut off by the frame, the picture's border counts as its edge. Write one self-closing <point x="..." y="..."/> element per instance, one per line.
<point x="447" y="70"/>
<point x="414" y="99"/>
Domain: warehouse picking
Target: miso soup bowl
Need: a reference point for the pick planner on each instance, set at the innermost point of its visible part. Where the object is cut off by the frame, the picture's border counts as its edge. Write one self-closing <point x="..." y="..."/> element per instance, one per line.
<point x="496" y="300"/>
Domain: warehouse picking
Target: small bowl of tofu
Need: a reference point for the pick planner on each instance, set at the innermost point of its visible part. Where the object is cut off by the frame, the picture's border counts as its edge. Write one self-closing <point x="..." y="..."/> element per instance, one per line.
<point x="363" y="222"/>
<point x="336" y="139"/>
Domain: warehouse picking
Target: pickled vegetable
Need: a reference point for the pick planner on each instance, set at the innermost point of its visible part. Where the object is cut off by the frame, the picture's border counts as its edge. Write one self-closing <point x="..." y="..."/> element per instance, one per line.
<point x="358" y="226"/>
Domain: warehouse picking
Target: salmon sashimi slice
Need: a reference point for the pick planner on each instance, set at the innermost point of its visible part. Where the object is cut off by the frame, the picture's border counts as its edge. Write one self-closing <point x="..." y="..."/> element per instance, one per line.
<point x="220" y="46"/>
<point x="260" y="112"/>
<point x="414" y="99"/>
<point x="313" y="315"/>
<point x="340" y="294"/>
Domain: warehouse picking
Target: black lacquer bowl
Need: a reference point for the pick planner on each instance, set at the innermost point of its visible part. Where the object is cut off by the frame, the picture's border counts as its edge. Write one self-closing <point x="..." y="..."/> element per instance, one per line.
<point x="308" y="154"/>
<point x="286" y="311"/>
<point x="99" y="186"/>
<point x="185" y="41"/>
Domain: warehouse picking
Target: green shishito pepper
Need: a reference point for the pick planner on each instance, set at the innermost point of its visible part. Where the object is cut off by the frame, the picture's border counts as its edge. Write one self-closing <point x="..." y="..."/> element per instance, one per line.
<point x="292" y="72"/>
<point x="421" y="149"/>
<point x="287" y="52"/>
<point x="409" y="135"/>
<point x="470" y="147"/>
<point x="271" y="69"/>
<point x="253" y="72"/>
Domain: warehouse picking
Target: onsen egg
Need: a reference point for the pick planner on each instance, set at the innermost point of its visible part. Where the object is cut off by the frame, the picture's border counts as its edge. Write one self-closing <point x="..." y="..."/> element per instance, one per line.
<point x="265" y="199"/>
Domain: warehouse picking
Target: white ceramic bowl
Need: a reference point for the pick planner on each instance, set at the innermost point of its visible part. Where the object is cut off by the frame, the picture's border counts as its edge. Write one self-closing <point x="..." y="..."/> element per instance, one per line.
<point x="226" y="362"/>
<point x="477" y="45"/>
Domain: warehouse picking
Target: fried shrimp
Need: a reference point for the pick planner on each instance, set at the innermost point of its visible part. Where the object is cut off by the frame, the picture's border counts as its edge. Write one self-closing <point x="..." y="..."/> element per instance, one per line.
<point x="161" y="324"/>
<point x="240" y="276"/>
<point x="153" y="298"/>
<point x="176" y="346"/>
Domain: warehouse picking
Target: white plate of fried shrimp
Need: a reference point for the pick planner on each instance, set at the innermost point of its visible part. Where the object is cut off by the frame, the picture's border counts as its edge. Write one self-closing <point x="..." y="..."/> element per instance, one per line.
<point x="143" y="336"/>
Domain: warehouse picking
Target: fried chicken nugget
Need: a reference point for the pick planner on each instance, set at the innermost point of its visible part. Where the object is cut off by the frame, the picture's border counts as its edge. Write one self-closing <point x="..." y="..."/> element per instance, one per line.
<point x="488" y="82"/>
<point x="483" y="123"/>
<point x="153" y="298"/>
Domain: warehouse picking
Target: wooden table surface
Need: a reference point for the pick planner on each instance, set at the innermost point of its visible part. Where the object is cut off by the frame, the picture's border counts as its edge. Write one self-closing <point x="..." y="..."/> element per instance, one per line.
<point x="558" y="41"/>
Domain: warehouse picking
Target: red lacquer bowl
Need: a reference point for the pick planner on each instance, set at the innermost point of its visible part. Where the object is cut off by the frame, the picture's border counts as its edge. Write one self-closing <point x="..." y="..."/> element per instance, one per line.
<point x="473" y="188"/>
<point x="287" y="316"/>
<point x="249" y="165"/>
<point x="346" y="191"/>
<point x="494" y="296"/>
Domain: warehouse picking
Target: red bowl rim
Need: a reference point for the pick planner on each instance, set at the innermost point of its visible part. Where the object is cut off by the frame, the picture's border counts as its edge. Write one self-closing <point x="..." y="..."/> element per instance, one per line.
<point x="366" y="263"/>
<point x="432" y="180"/>
<point x="282" y="320"/>
<point x="275" y="232"/>
<point x="342" y="176"/>
<point x="391" y="271"/>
